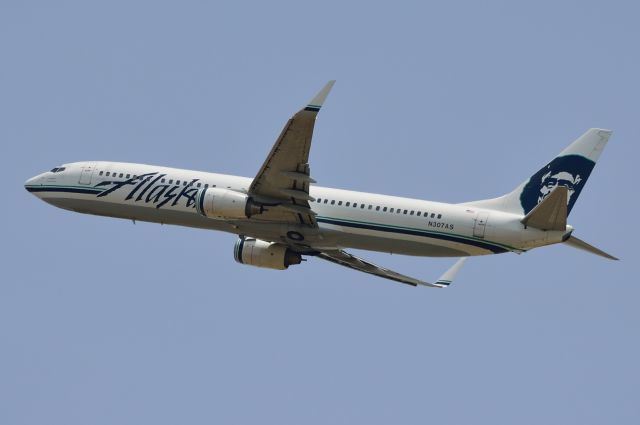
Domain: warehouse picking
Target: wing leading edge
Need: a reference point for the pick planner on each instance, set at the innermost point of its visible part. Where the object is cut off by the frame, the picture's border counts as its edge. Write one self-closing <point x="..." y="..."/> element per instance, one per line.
<point x="343" y="258"/>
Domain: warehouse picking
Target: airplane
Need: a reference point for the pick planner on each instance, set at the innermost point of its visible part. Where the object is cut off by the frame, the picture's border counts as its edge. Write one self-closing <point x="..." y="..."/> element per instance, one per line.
<point x="282" y="216"/>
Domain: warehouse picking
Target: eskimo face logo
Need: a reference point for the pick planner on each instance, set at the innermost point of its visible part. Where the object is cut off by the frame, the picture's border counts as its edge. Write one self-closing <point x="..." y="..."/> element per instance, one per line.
<point x="550" y="182"/>
<point x="571" y="171"/>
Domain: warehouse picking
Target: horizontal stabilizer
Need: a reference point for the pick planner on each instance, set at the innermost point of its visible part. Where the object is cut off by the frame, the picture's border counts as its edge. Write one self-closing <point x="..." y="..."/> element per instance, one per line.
<point x="580" y="244"/>
<point x="551" y="212"/>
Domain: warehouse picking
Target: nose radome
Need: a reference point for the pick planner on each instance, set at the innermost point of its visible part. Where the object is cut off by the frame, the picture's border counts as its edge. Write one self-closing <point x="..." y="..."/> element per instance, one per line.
<point x="32" y="182"/>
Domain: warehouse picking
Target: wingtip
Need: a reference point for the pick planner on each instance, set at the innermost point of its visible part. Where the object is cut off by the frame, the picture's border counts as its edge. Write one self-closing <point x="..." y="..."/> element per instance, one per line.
<point x="447" y="278"/>
<point x="318" y="100"/>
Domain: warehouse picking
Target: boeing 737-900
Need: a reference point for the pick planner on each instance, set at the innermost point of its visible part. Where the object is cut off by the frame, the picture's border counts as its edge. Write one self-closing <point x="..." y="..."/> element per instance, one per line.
<point x="280" y="215"/>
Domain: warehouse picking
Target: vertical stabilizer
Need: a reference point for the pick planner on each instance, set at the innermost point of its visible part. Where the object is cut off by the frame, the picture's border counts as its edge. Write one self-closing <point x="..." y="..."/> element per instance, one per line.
<point x="571" y="169"/>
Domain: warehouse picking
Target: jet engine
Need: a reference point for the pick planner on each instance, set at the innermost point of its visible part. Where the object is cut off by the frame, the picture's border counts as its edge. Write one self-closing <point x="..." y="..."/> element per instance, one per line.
<point x="259" y="253"/>
<point x="220" y="203"/>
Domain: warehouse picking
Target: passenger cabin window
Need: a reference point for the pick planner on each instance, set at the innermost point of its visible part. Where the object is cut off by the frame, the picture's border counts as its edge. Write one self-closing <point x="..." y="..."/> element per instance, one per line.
<point x="170" y="181"/>
<point x="108" y="174"/>
<point x="433" y="215"/>
<point x="391" y="210"/>
<point x="120" y="175"/>
<point x="418" y="214"/>
<point x="339" y="202"/>
<point x="128" y="176"/>
<point x="333" y="202"/>
<point x="405" y="211"/>
<point x="439" y="215"/>
<point x="347" y="204"/>
<point x="378" y="208"/>
<point x="199" y="184"/>
<point x="326" y="200"/>
<point x="411" y="213"/>
<point x="101" y="172"/>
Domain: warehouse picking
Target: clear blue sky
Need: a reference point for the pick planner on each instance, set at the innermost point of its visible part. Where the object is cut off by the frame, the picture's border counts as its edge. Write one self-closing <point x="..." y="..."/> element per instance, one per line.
<point x="104" y="322"/>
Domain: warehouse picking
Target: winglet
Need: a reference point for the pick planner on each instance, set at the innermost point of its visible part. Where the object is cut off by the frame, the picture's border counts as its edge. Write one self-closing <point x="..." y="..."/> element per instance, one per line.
<point x="448" y="276"/>
<point x="316" y="103"/>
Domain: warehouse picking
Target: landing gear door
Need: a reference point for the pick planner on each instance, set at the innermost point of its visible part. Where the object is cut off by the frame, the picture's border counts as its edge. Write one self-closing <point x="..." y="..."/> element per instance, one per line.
<point x="480" y="224"/>
<point x="87" y="173"/>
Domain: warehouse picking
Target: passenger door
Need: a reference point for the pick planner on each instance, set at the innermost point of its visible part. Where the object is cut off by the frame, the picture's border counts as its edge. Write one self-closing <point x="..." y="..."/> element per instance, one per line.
<point x="87" y="173"/>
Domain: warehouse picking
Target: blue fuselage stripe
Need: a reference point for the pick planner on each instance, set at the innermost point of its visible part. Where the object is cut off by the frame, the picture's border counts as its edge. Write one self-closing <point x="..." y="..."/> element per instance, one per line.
<point x="87" y="190"/>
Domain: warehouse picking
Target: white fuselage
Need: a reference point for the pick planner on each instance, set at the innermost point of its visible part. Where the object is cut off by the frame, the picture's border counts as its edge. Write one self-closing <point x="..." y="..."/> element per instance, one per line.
<point x="346" y="219"/>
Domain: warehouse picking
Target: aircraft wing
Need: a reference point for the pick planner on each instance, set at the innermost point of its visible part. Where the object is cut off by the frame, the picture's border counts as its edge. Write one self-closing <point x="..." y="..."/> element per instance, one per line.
<point x="282" y="183"/>
<point x="349" y="260"/>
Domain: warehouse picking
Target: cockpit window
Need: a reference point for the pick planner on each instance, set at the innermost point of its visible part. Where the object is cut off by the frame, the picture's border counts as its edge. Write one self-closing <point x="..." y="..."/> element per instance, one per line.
<point x="57" y="169"/>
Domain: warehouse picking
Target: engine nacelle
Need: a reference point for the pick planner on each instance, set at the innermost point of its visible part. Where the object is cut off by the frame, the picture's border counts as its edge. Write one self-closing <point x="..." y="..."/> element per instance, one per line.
<point x="219" y="203"/>
<point x="259" y="253"/>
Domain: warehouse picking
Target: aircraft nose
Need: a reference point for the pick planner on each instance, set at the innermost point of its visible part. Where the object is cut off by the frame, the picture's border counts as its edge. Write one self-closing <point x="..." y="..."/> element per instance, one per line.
<point x="32" y="182"/>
